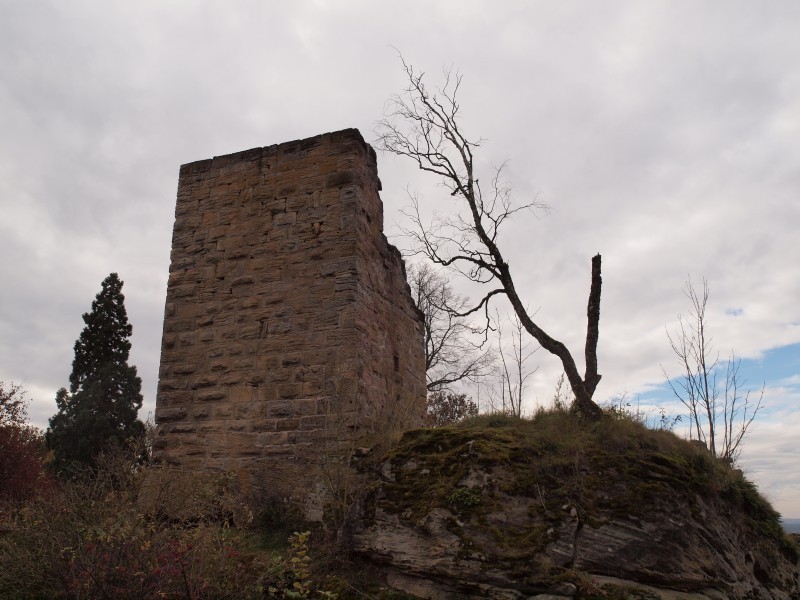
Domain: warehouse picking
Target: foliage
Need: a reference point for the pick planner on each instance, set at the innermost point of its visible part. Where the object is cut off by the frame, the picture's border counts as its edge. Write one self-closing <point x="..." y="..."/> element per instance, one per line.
<point x="100" y="535"/>
<point x="276" y="521"/>
<point x="13" y="405"/>
<point x="22" y="462"/>
<point x="22" y="448"/>
<point x="100" y="408"/>
<point x="91" y="538"/>
<point x="117" y="530"/>
<point x="464" y="497"/>
<point x="446" y="408"/>
<point x="296" y="581"/>
<point x="720" y="417"/>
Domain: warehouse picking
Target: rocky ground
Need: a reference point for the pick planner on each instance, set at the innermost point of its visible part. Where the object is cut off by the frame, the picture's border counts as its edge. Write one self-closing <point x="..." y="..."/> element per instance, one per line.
<point x="553" y="508"/>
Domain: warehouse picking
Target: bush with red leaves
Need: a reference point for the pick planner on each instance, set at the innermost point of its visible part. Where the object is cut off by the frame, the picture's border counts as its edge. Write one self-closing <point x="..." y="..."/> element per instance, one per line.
<point x="22" y="448"/>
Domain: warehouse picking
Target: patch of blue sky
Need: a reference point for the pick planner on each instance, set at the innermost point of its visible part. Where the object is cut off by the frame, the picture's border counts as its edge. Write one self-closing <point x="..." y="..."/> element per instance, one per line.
<point x="778" y="366"/>
<point x="778" y="370"/>
<point x="770" y="453"/>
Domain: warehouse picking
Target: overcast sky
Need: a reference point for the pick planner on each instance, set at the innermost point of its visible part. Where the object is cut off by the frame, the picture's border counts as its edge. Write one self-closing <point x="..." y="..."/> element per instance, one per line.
<point x="664" y="135"/>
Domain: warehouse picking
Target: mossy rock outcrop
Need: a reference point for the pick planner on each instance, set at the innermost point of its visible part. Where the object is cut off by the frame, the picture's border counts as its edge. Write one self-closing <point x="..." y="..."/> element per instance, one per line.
<point x="553" y="507"/>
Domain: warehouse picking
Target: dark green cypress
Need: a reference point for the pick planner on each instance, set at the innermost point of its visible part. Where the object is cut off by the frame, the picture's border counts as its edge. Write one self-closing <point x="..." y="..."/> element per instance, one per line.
<point x="100" y="409"/>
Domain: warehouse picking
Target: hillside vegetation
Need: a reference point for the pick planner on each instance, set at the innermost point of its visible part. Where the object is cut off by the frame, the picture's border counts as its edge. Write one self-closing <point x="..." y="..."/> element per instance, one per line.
<point x="615" y="467"/>
<point x="493" y="507"/>
<point x="525" y="505"/>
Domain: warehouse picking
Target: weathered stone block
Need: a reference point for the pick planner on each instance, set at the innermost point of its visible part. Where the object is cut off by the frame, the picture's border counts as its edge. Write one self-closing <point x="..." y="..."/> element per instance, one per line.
<point x="286" y="318"/>
<point x="211" y="395"/>
<point x="272" y="438"/>
<point x="165" y="415"/>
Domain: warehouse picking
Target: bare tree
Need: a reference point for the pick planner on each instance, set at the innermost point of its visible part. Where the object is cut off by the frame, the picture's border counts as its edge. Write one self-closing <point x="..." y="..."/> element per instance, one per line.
<point x="514" y="362"/>
<point x="425" y="127"/>
<point x="451" y="353"/>
<point x="710" y="406"/>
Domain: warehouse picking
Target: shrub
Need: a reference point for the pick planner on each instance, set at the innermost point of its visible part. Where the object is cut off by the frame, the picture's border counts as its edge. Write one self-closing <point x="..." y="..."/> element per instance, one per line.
<point x="22" y="457"/>
<point x="446" y="408"/>
<point x="90" y="538"/>
<point x="22" y="449"/>
<point x="291" y="577"/>
<point x="464" y="498"/>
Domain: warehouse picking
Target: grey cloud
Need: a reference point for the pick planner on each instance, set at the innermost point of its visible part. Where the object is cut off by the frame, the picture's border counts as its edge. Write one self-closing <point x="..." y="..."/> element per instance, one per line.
<point x="664" y="135"/>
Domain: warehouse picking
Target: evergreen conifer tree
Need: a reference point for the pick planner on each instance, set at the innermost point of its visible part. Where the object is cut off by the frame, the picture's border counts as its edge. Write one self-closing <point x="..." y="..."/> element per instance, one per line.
<point x="100" y="408"/>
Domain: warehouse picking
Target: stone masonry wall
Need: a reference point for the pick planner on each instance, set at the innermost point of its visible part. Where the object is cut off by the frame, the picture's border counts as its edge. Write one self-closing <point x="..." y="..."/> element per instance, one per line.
<point x="290" y="336"/>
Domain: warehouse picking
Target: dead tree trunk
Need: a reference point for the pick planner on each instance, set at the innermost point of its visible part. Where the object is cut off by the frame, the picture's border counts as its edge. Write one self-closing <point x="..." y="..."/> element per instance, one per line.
<point x="425" y="128"/>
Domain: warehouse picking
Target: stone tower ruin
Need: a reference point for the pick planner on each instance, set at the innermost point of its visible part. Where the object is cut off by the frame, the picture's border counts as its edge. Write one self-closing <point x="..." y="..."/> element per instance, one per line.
<point x="290" y="335"/>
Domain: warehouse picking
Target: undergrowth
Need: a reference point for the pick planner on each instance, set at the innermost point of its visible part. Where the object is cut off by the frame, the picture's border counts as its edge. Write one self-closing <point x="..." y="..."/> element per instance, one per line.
<point x="110" y="533"/>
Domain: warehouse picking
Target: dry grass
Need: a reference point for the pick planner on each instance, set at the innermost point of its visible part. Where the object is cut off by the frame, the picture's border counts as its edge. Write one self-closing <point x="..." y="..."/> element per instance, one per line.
<point x="117" y="533"/>
<point x="615" y="467"/>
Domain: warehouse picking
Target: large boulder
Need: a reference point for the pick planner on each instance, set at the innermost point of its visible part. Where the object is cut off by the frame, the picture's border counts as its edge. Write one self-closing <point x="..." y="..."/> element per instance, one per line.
<point x="554" y="507"/>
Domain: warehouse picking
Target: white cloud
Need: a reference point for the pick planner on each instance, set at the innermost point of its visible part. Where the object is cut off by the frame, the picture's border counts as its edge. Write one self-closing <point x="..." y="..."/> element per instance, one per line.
<point x="664" y="135"/>
<point x="770" y="452"/>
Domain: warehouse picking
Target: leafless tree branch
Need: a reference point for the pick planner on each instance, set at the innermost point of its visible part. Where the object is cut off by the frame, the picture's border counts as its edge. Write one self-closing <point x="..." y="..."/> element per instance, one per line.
<point x="698" y="389"/>
<point x="515" y="372"/>
<point x="425" y="127"/>
<point x="451" y="355"/>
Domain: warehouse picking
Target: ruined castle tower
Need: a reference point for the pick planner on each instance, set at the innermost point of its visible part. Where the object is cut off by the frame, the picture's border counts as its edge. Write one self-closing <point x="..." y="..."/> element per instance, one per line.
<point x="290" y="335"/>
